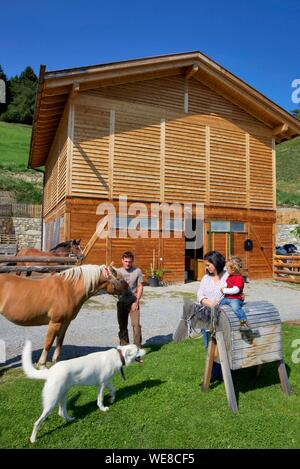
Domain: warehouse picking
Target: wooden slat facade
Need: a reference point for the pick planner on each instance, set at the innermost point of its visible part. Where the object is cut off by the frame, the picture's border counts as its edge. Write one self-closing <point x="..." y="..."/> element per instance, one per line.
<point x="163" y="140"/>
<point x="56" y="168"/>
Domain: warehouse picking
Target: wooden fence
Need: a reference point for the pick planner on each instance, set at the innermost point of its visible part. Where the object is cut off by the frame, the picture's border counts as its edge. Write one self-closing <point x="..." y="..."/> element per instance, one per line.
<point x="287" y="268"/>
<point x="62" y="263"/>
<point x="21" y="210"/>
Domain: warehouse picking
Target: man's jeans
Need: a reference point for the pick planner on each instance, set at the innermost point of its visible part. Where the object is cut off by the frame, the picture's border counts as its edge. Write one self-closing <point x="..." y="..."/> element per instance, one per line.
<point x="236" y="305"/>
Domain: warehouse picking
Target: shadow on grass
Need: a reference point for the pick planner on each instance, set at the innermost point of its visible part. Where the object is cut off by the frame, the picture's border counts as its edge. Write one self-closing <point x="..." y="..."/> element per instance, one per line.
<point x="79" y="412"/>
<point x="123" y="393"/>
<point x="156" y="342"/>
<point x="68" y="351"/>
<point x="245" y="380"/>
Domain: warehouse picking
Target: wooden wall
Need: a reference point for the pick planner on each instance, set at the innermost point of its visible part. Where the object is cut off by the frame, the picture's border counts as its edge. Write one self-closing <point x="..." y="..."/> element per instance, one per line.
<point x="80" y="221"/>
<point x="173" y="140"/>
<point x="56" y="167"/>
<point x="259" y="226"/>
<point x="165" y="139"/>
<point x="83" y="222"/>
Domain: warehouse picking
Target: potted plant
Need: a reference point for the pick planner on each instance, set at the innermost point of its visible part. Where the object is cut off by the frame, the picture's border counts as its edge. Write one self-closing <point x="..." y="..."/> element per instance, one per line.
<point x="155" y="275"/>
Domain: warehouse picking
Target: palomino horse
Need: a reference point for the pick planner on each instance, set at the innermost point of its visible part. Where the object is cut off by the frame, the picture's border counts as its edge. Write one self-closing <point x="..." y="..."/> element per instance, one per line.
<point x="55" y="300"/>
<point x="65" y="249"/>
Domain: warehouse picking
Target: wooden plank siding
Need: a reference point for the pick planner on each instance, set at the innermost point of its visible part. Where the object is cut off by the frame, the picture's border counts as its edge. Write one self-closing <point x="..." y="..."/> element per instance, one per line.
<point x="227" y="168"/>
<point x="90" y="165"/>
<point x="137" y="155"/>
<point x="169" y="139"/>
<point x="261" y="173"/>
<point x="185" y="175"/>
<point x="166" y="93"/>
<point x="56" y="168"/>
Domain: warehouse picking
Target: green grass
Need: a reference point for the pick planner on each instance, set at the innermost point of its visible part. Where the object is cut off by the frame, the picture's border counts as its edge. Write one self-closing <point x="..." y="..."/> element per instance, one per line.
<point x="160" y="406"/>
<point x="25" y="191"/>
<point x="14" y="146"/>
<point x="14" y="152"/>
<point x="288" y="172"/>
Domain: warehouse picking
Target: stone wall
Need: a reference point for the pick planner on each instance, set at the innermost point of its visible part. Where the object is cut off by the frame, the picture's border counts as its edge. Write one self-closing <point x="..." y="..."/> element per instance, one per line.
<point x="284" y="236"/>
<point x="6" y="225"/>
<point x="28" y="232"/>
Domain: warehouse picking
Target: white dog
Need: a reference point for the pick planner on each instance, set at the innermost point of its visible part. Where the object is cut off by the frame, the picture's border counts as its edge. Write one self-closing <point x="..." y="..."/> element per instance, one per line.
<point x="95" y="369"/>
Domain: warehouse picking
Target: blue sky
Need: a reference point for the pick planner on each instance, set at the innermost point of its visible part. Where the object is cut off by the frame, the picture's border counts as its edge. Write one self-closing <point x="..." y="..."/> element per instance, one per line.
<point x="257" y="40"/>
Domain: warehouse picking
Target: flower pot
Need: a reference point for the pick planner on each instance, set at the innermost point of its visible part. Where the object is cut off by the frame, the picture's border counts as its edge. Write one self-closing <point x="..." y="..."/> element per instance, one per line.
<point x="153" y="281"/>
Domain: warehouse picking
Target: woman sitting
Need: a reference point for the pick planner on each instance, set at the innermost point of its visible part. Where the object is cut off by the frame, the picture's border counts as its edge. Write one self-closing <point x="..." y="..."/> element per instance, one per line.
<point x="210" y="294"/>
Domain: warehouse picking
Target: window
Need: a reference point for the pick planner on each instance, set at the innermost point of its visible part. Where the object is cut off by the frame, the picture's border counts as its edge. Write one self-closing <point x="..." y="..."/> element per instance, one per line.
<point x="237" y="227"/>
<point x="223" y="226"/>
<point x="124" y="223"/>
<point x="227" y="226"/>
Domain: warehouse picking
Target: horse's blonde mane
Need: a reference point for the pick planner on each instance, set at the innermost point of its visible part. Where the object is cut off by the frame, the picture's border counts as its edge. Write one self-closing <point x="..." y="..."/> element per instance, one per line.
<point x="90" y="273"/>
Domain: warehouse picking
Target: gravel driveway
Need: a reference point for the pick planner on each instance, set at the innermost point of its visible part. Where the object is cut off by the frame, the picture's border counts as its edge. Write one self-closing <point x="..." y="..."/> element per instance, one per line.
<point x="96" y="325"/>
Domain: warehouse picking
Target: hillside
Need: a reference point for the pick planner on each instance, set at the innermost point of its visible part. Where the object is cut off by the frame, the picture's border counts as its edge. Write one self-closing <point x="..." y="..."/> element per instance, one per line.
<point x="288" y="172"/>
<point x="27" y="184"/>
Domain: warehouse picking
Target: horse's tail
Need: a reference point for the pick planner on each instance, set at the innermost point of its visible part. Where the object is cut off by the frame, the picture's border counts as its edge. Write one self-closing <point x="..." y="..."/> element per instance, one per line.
<point x="28" y="367"/>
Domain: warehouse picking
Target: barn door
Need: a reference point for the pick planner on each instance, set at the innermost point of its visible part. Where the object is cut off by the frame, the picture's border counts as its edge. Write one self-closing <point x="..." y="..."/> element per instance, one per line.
<point x="228" y="238"/>
<point x="260" y="259"/>
<point x="220" y="242"/>
<point x="237" y="247"/>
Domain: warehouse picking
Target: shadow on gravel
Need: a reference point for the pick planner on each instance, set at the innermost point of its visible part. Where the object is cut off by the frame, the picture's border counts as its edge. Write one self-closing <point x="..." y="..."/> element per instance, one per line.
<point x="68" y="351"/>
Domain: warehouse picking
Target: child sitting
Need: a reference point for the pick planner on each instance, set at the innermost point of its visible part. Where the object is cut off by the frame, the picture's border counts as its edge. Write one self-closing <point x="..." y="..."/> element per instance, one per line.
<point x="233" y="293"/>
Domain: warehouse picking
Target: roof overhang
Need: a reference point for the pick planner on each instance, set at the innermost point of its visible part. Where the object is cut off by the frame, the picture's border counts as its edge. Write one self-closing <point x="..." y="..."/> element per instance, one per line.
<point x="55" y="87"/>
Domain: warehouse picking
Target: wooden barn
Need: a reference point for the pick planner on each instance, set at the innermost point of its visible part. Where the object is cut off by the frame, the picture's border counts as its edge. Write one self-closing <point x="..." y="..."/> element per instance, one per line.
<point x="175" y="128"/>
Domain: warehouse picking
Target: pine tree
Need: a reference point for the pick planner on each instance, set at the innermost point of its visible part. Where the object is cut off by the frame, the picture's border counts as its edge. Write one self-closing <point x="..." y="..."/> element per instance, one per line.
<point x="23" y="92"/>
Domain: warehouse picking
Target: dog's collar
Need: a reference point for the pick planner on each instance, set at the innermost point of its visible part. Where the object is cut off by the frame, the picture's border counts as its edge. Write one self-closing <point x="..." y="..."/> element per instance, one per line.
<point x="123" y="363"/>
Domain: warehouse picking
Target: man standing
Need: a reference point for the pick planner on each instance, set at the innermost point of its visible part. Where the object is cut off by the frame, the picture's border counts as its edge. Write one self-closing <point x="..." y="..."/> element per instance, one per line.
<point x="129" y="301"/>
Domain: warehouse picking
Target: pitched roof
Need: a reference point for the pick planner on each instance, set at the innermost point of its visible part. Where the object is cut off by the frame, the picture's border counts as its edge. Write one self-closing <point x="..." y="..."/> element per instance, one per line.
<point x="56" y="86"/>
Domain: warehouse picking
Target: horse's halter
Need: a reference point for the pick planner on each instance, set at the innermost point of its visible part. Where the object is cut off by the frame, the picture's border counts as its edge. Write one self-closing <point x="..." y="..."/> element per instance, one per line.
<point x="111" y="278"/>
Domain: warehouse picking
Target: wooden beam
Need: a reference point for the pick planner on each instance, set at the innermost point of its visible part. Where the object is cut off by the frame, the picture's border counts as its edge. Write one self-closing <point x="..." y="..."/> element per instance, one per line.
<point x="42" y="269"/>
<point x="100" y="228"/>
<point x="75" y="90"/>
<point x="207" y="159"/>
<point x="191" y="71"/>
<point x="226" y="372"/>
<point x="162" y="158"/>
<point x="70" y="140"/>
<point x="52" y="259"/>
<point x="112" y="124"/>
<point x="284" y="381"/>
<point x="274" y="192"/>
<point x="282" y="128"/>
<point x="209" y="363"/>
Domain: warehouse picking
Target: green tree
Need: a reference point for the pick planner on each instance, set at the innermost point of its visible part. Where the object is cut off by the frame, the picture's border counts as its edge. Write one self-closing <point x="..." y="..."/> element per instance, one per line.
<point x="296" y="113"/>
<point x="23" y="92"/>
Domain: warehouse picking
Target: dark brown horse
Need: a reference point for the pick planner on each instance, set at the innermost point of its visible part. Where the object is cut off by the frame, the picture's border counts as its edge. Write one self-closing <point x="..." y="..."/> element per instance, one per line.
<point x="64" y="249"/>
<point x="55" y="300"/>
